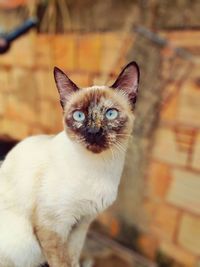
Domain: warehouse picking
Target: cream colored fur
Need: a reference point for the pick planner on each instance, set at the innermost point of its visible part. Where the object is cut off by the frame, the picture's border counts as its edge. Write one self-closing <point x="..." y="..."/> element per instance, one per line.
<point x="59" y="182"/>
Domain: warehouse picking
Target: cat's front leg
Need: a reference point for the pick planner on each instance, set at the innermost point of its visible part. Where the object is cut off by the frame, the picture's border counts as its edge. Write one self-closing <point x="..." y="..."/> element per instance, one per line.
<point x="76" y="240"/>
<point x="54" y="247"/>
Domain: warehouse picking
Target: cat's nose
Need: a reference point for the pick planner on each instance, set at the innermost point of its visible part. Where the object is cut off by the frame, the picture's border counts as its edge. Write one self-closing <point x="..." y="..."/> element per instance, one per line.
<point x="95" y="130"/>
<point x="94" y="135"/>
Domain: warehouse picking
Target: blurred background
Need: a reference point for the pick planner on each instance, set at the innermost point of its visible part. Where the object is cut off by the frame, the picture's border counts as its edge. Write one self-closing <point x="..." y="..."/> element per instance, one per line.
<point x="156" y="219"/>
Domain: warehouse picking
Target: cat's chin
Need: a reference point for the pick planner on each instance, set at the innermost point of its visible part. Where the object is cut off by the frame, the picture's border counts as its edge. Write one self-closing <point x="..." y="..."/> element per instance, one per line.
<point x="96" y="149"/>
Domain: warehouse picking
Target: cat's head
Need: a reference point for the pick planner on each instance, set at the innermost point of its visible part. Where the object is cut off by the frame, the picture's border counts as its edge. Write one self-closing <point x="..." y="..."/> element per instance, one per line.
<point x="99" y="117"/>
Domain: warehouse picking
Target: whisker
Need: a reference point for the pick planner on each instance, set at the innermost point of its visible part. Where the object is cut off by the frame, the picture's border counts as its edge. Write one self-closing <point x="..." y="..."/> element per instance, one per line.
<point x="120" y="144"/>
<point x="113" y="156"/>
<point x="118" y="148"/>
<point x="123" y="134"/>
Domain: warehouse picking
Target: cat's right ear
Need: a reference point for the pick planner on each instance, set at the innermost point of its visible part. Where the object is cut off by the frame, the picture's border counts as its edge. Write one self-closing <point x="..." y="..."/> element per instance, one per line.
<point x="128" y="81"/>
<point x="64" y="85"/>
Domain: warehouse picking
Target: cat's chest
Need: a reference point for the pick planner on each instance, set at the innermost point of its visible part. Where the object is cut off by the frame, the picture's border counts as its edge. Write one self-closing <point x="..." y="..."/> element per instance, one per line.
<point x="81" y="185"/>
<point x="92" y="192"/>
<point x="83" y="191"/>
<point x="95" y="197"/>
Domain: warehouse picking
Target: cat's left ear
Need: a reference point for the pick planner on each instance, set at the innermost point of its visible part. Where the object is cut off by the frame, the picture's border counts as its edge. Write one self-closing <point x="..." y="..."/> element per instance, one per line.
<point x="128" y="81"/>
<point x="64" y="85"/>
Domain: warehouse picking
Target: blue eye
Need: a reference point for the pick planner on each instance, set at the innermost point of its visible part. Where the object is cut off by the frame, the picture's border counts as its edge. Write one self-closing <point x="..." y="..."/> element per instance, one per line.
<point x="78" y="116"/>
<point x="111" y="114"/>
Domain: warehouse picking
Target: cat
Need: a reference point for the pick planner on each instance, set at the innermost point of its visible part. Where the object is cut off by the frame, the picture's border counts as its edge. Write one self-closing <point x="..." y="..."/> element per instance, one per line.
<point x="52" y="187"/>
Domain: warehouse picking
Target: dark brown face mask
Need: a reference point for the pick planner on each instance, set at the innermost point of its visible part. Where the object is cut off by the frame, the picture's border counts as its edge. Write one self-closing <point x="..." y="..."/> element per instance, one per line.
<point x="98" y="124"/>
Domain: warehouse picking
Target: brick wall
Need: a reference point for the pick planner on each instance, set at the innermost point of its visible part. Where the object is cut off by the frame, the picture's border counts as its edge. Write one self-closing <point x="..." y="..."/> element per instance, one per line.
<point x="173" y="179"/>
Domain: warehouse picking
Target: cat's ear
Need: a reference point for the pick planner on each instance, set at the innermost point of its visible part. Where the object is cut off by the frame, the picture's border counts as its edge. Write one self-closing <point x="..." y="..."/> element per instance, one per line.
<point x="65" y="86"/>
<point x="128" y="81"/>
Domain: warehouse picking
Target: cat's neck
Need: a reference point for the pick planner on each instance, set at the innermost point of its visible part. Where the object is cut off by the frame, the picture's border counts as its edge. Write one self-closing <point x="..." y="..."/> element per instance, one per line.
<point x="105" y="166"/>
<point x="75" y="150"/>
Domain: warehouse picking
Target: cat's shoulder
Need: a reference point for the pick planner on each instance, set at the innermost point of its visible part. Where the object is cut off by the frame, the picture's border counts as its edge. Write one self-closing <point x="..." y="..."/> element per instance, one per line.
<point x="30" y="144"/>
<point x="34" y="140"/>
<point x="31" y="149"/>
<point x="42" y="138"/>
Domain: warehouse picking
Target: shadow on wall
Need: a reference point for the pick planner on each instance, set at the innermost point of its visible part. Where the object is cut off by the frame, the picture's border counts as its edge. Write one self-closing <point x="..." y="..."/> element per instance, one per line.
<point x="5" y="146"/>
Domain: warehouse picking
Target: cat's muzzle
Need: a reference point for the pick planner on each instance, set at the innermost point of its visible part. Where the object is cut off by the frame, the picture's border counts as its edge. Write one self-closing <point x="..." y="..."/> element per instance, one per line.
<point x="95" y="136"/>
<point x="95" y="139"/>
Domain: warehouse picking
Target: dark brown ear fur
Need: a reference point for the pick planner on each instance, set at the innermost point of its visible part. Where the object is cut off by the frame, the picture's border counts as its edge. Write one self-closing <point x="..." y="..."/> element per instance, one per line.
<point x="128" y="81"/>
<point x="64" y="85"/>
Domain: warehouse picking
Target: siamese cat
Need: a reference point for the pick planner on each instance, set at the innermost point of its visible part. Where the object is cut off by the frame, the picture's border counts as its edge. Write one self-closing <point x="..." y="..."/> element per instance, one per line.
<point x="52" y="187"/>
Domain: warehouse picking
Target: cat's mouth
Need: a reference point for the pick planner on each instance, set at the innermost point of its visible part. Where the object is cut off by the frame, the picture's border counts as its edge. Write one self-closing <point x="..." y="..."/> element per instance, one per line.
<point x="95" y="141"/>
<point x="95" y="148"/>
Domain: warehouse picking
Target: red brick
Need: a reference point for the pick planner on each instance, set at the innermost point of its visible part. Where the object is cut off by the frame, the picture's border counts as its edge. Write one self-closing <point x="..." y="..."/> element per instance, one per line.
<point x="196" y="154"/>
<point x="184" y="190"/>
<point x="20" y="111"/>
<point x="50" y="116"/>
<point x="2" y="104"/>
<point x="45" y="84"/>
<point x="169" y="109"/>
<point x="165" y="221"/>
<point x="64" y="51"/>
<point x="44" y="54"/>
<point x="114" y="49"/>
<point x="180" y="255"/>
<point x="8" y="128"/>
<point x="105" y="218"/>
<point x="189" y="108"/>
<point x="36" y="130"/>
<point x="149" y="206"/>
<point x="110" y="223"/>
<point x="148" y="245"/>
<point x="166" y="148"/>
<point x="89" y="52"/>
<point x="189" y="235"/>
<point x="12" y="3"/>
<point x="159" y="179"/>
<point x="21" y="52"/>
<point x="184" y="38"/>
<point x="4" y="80"/>
<point x="110" y="51"/>
<point x="81" y="79"/>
